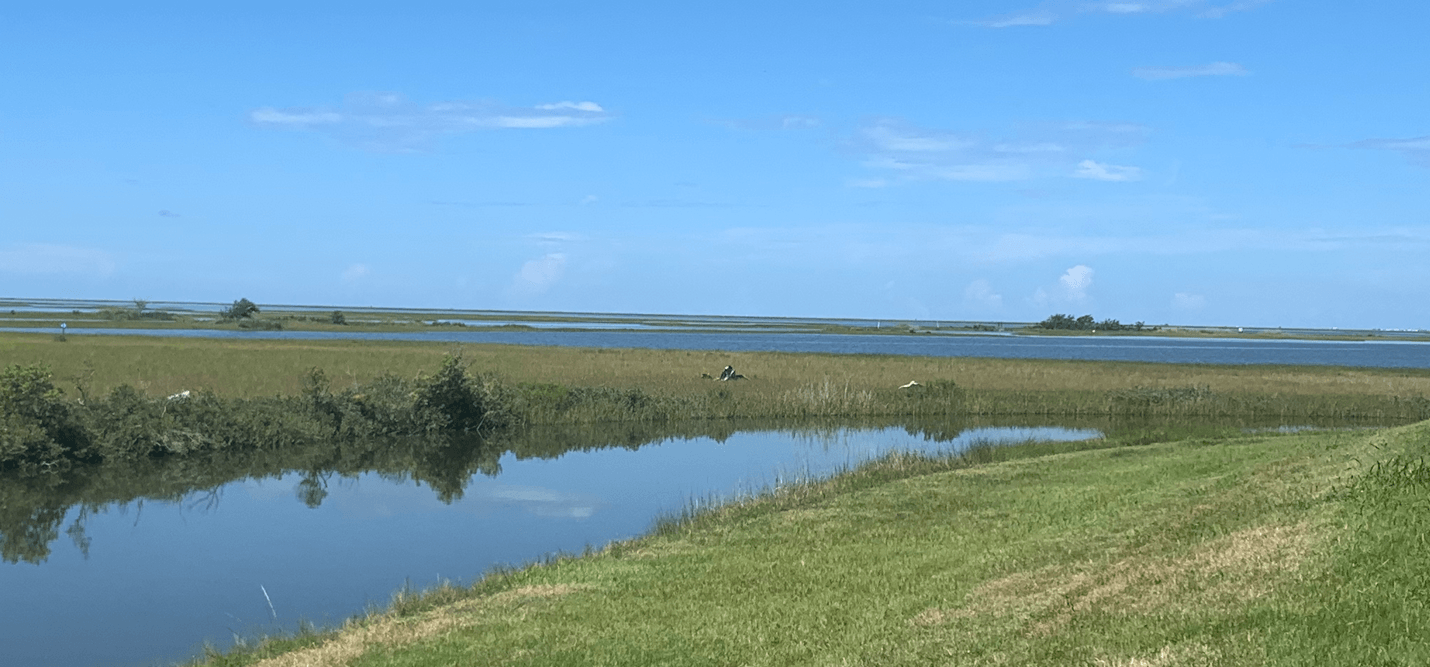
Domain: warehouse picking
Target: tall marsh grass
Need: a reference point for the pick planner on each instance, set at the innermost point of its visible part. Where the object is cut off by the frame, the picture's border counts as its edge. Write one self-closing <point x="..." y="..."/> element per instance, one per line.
<point x="547" y="385"/>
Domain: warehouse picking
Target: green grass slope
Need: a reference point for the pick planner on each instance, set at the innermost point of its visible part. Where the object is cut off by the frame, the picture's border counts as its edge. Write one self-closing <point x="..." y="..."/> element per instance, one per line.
<point x="1260" y="550"/>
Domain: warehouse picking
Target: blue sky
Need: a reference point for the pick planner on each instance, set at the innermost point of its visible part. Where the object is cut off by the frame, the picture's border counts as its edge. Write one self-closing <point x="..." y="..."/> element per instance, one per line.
<point x="1264" y="163"/>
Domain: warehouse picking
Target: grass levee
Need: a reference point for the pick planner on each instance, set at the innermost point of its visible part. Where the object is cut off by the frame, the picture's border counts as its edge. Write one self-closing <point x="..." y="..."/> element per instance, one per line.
<point x="1258" y="549"/>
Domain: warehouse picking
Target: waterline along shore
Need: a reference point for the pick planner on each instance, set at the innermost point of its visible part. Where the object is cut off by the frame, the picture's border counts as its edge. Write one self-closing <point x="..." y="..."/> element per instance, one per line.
<point x="1190" y="534"/>
<point x="1250" y="550"/>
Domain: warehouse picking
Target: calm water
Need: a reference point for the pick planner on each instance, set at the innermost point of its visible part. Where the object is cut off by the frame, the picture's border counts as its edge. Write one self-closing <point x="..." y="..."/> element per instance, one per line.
<point x="159" y="577"/>
<point x="1382" y="354"/>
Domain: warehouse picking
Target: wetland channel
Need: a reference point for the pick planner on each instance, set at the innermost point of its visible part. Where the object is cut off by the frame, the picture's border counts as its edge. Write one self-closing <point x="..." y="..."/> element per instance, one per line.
<point x="143" y="565"/>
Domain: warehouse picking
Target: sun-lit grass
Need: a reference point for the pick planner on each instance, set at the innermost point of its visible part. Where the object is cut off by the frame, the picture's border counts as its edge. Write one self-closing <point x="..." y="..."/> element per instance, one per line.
<point x="668" y="384"/>
<point x="1257" y="550"/>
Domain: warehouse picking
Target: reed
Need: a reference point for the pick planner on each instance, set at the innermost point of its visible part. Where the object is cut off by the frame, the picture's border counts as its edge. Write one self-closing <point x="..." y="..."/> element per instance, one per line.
<point x="579" y="385"/>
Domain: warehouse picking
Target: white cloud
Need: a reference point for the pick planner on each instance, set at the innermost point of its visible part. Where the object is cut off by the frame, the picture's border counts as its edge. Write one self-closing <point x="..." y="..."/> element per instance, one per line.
<point x="984" y="173"/>
<point x="1038" y="18"/>
<point x="1076" y="281"/>
<point x="1039" y="298"/>
<point x="1415" y="149"/>
<point x="1071" y="290"/>
<point x="556" y="237"/>
<point x="798" y="122"/>
<point x="49" y="259"/>
<point x="888" y="135"/>
<point x="384" y="121"/>
<point x="980" y="293"/>
<point x="294" y="117"/>
<point x="578" y="106"/>
<point x="916" y="153"/>
<point x="589" y="199"/>
<point x="1186" y="301"/>
<point x="777" y="122"/>
<point x="355" y="273"/>
<point x="866" y="183"/>
<point x="538" y="275"/>
<point x="1212" y="69"/>
<point x="1052" y="11"/>
<point x="1024" y="246"/>
<point x="1098" y="171"/>
<point x="1238" y="6"/>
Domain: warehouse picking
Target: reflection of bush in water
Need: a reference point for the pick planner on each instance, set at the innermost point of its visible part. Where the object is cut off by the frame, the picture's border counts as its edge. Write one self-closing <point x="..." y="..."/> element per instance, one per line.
<point x="126" y="447"/>
<point x="33" y="507"/>
<point x="442" y="429"/>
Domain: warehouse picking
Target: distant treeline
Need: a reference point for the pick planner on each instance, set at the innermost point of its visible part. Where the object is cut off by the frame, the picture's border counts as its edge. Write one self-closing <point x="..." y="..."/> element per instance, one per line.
<point x="1087" y="323"/>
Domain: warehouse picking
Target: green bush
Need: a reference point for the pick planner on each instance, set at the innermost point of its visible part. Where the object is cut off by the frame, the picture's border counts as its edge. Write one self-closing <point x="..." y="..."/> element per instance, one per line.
<point x="37" y="427"/>
<point x="453" y="400"/>
<point x="241" y="309"/>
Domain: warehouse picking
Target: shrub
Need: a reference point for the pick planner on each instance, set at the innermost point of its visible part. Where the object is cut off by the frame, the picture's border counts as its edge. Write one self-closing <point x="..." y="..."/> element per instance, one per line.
<point x="452" y="400"/>
<point x="241" y="309"/>
<point x="36" y="426"/>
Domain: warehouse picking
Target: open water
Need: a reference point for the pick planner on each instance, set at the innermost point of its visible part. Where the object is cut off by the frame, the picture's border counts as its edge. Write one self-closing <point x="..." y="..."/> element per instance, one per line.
<point x="131" y="581"/>
<point x="1379" y="354"/>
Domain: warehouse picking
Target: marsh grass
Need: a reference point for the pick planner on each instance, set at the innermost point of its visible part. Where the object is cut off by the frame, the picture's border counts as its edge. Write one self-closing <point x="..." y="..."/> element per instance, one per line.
<point x="592" y="385"/>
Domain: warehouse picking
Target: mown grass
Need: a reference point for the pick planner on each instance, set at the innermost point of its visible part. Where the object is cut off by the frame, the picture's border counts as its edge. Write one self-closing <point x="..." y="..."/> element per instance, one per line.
<point x="1257" y="550"/>
<point x="585" y="385"/>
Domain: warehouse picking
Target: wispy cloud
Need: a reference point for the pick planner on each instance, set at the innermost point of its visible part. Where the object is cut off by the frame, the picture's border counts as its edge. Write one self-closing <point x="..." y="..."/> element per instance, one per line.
<point x="482" y="204"/>
<point x="168" y="214"/>
<point x="979" y="293"/>
<point x="1076" y="281"/>
<point x="1023" y="246"/>
<point x="538" y="275"/>
<point x="1098" y="171"/>
<point x="1212" y="69"/>
<point x="388" y="122"/>
<point x="556" y="237"/>
<point x="1415" y="149"/>
<point x="1034" y="18"/>
<point x="1188" y="301"/>
<point x="911" y="153"/>
<point x="1218" y="11"/>
<point x="1071" y="289"/>
<point x="1054" y="11"/>
<point x="49" y="259"/>
<point x="776" y="122"/>
<point x="355" y="273"/>
<point x="675" y="203"/>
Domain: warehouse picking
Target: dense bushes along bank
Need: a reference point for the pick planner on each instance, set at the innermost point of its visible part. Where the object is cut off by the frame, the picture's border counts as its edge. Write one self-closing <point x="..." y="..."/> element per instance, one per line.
<point x="43" y="430"/>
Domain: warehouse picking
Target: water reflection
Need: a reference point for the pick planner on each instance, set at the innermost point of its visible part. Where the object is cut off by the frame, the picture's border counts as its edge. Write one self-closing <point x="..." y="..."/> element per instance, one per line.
<point x="161" y="556"/>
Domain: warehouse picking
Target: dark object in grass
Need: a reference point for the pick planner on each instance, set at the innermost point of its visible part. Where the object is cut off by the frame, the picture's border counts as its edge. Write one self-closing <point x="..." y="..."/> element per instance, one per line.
<point x="730" y="374"/>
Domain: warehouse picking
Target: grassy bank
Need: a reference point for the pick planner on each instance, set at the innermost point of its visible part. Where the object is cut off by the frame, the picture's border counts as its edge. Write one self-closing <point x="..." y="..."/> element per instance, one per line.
<point x="1256" y="550"/>
<point x="667" y="384"/>
<point x="104" y="399"/>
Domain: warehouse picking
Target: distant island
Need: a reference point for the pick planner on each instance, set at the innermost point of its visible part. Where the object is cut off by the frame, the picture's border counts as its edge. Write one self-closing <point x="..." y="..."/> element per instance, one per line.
<point x="77" y="315"/>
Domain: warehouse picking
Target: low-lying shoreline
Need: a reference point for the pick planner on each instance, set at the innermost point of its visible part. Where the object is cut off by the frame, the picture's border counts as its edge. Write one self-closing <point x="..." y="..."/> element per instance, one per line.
<point x="906" y="559"/>
<point x="47" y="315"/>
<point x="1257" y="549"/>
<point x="167" y="398"/>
